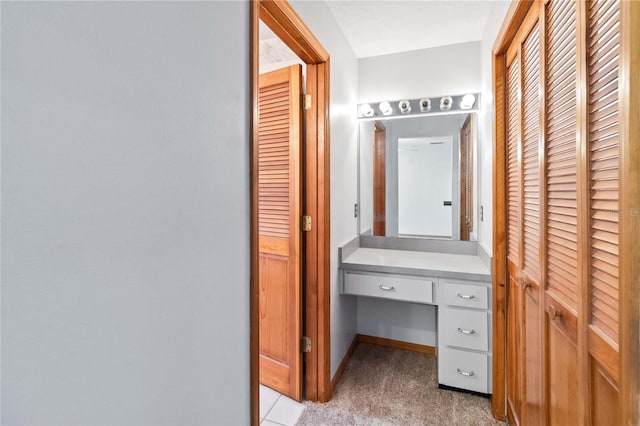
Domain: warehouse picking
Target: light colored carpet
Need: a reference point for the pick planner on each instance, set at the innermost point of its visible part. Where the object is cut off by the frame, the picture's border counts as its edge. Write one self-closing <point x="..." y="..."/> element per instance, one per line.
<point x="385" y="386"/>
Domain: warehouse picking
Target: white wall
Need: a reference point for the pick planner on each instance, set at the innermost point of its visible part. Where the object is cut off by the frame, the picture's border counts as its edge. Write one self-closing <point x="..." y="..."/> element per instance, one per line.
<point x="365" y="172"/>
<point x="485" y="125"/>
<point x="446" y="70"/>
<point x="344" y="138"/>
<point x="407" y="322"/>
<point x="125" y="213"/>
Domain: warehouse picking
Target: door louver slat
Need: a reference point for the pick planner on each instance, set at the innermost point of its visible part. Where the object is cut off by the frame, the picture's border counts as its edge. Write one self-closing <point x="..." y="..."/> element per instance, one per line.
<point x="603" y="41"/>
<point x="530" y="147"/>
<point x="513" y="173"/>
<point x="273" y="161"/>
<point x="561" y="168"/>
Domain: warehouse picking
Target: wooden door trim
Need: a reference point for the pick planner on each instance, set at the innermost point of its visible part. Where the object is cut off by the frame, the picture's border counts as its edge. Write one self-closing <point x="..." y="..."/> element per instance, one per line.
<point x="288" y="26"/>
<point x="254" y="289"/>
<point x="499" y="267"/>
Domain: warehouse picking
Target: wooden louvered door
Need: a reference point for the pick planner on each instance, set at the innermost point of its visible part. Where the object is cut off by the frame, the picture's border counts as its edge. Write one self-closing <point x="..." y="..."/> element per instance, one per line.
<point x="524" y="355"/>
<point x="530" y="211"/>
<point x="279" y="233"/>
<point x="603" y="158"/>
<point x="514" y="294"/>
<point x="562" y="157"/>
<point x="580" y="365"/>
<point x="561" y="297"/>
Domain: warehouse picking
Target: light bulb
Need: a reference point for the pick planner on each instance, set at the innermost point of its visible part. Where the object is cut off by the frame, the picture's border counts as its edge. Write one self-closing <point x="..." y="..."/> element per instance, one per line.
<point x="445" y="103"/>
<point x="366" y="110"/>
<point x="385" y="108"/>
<point x="404" y="107"/>
<point x="467" y="102"/>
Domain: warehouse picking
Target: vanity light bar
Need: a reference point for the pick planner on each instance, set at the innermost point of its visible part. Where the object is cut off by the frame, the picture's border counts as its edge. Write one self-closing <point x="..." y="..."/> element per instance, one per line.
<point x="419" y="107"/>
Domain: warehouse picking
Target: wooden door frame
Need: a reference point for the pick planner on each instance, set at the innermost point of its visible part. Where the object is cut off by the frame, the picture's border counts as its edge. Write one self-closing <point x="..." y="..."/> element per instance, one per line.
<point x="629" y="231"/>
<point x="466" y="158"/>
<point x="280" y="17"/>
<point x="379" y="177"/>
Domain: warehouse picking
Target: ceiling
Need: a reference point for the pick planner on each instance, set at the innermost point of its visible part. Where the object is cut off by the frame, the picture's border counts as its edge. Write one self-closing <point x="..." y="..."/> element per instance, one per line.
<point x="272" y="50"/>
<point x="382" y="27"/>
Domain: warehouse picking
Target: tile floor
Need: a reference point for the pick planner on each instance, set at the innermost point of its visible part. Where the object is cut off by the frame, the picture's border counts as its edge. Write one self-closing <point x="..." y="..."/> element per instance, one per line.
<point x="277" y="409"/>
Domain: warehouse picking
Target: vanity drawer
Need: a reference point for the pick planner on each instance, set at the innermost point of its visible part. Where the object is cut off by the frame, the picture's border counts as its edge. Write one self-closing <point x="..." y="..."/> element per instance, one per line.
<point x="465" y="295"/>
<point x="464" y="370"/>
<point x="396" y="287"/>
<point x="464" y="329"/>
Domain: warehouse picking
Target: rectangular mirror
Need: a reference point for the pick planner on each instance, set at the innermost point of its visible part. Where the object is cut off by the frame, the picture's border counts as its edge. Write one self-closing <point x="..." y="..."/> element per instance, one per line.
<point x="416" y="177"/>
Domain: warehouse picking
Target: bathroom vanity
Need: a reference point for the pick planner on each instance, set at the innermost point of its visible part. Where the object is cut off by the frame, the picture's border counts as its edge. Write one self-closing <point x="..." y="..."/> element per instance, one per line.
<point x="419" y="275"/>
<point x="450" y="275"/>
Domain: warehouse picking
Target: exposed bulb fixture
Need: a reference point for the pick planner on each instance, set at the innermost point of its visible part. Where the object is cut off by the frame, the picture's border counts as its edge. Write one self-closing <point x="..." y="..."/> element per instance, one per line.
<point x="366" y="110"/>
<point x="425" y="105"/>
<point x="467" y="101"/>
<point x="385" y="108"/>
<point x="404" y="107"/>
<point x="445" y="103"/>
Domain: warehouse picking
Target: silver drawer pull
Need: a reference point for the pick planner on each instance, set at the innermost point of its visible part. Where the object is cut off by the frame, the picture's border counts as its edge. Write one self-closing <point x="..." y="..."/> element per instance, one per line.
<point x="468" y="332"/>
<point x="386" y="287"/>
<point x="465" y="373"/>
<point x="466" y="296"/>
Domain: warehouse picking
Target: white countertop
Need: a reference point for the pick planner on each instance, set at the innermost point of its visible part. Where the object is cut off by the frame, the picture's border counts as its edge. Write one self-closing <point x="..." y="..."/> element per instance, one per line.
<point x="458" y="263"/>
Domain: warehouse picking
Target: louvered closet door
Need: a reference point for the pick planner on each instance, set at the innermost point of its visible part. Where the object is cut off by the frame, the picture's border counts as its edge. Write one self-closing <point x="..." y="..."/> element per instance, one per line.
<point x="279" y="200"/>
<point x="530" y="281"/>
<point x="603" y="63"/>
<point x="524" y="355"/>
<point x="562" y="274"/>
<point x="562" y="190"/>
<point x="514" y="353"/>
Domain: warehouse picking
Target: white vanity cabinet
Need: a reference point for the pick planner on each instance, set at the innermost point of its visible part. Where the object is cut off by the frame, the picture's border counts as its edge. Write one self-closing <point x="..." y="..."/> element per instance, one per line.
<point x="464" y="335"/>
<point x="458" y="284"/>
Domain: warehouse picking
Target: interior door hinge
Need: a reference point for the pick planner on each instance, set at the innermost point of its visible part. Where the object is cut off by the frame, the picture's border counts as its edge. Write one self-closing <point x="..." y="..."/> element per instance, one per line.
<point x="306" y="223"/>
<point x="305" y="344"/>
<point x="306" y="101"/>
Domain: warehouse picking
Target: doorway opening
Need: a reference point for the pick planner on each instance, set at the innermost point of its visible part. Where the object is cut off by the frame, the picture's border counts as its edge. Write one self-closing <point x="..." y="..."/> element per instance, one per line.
<point x="287" y="25"/>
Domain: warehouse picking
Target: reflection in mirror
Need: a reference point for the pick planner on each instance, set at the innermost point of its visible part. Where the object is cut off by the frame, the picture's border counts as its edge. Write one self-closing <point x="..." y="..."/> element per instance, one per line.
<point x="416" y="177"/>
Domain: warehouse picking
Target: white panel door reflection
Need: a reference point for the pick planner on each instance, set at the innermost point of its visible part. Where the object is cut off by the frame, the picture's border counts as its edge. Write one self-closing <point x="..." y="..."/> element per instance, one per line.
<point x="425" y="168"/>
